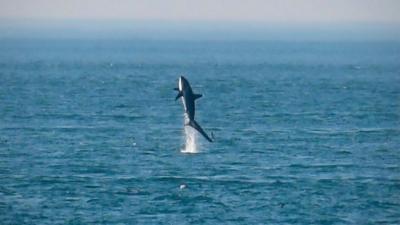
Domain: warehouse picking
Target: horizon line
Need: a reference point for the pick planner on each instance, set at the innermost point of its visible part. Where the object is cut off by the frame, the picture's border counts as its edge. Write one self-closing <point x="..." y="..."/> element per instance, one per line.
<point x="204" y="30"/>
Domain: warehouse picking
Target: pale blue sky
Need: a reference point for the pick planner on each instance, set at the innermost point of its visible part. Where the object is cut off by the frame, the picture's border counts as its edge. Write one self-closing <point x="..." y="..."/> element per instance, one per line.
<point x="260" y="11"/>
<point x="202" y="19"/>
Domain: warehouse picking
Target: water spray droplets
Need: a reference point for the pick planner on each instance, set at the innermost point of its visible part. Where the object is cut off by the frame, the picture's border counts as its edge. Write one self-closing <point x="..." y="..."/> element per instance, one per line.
<point x="190" y="139"/>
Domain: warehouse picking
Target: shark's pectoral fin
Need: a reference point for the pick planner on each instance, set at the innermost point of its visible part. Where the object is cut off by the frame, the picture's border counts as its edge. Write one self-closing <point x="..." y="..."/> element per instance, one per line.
<point x="196" y="96"/>
<point x="179" y="95"/>
<point x="196" y="126"/>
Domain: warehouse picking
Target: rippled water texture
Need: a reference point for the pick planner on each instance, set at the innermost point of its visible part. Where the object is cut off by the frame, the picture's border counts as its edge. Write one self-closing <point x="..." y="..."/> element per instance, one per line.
<point x="305" y="132"/>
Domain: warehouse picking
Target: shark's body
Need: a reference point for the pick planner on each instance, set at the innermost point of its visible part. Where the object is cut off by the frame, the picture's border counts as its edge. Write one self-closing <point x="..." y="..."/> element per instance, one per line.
<point x="188" y="100"/>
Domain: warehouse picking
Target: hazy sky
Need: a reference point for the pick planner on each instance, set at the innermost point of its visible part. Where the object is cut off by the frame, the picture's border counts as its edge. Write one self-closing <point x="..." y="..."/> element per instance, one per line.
<point x="264" y="11"/>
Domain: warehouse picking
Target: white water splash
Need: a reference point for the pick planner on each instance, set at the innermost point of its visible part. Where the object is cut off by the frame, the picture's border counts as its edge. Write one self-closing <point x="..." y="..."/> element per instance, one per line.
<point x="190" y="138"/>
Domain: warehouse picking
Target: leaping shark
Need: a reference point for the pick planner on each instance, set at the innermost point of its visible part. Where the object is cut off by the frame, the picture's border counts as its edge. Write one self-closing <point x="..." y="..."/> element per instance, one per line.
<point x="188" y="98"/>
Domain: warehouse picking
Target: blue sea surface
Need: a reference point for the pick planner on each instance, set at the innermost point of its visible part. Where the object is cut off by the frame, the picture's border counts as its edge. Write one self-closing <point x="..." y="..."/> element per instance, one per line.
<point x="305" y="132"/>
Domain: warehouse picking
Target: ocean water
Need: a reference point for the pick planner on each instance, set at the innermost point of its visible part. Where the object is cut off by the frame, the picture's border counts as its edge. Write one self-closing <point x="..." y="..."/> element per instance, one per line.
<point x="305" y="132"/>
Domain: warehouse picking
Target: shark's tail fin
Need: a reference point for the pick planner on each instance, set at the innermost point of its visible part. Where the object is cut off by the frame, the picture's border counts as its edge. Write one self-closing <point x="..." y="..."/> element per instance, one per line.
<point x="196" y="126"/>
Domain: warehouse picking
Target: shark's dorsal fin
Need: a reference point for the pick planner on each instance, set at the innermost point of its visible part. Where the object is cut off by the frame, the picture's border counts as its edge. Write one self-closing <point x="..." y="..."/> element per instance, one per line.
<point x="196" y="96"/>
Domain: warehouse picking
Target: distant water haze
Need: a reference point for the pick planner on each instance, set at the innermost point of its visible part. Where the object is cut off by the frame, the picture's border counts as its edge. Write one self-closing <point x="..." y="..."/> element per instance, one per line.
<point x="156" y="30"/>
